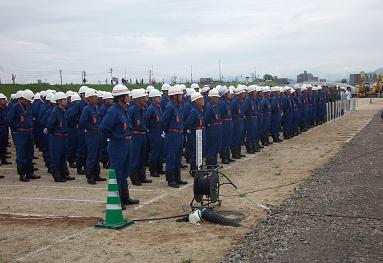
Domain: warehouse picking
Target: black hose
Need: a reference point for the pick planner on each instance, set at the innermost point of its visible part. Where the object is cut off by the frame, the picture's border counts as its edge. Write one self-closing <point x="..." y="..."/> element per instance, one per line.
<point x="215" y="218"/>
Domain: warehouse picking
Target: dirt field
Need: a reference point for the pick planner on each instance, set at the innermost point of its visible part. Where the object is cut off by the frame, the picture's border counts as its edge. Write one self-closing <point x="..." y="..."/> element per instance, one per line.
<point x="71" y="209"/>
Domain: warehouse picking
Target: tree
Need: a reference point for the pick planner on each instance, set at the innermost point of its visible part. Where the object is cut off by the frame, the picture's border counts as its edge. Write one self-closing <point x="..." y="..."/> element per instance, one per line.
<point x="268" y="77"/>
<point x="344" y="81"/>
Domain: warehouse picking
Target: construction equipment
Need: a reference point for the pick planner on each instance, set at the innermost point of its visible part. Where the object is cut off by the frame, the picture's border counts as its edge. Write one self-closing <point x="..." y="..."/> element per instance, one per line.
<point x="365" y="89"/>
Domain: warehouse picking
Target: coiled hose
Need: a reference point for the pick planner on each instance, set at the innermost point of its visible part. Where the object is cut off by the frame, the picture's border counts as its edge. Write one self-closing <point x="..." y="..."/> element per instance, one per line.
<point x="215" y="218"/>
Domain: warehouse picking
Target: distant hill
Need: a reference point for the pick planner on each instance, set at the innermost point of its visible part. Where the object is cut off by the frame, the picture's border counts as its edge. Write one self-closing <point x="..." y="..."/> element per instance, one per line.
<point x="379" y="71"/>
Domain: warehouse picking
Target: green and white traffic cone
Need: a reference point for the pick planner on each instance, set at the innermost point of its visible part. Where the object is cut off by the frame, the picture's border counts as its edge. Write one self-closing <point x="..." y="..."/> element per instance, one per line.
<point x="113" y="213"/>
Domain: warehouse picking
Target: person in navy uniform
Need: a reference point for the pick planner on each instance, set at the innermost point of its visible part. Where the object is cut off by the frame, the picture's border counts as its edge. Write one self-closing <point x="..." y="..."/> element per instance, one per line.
<point x="36" y="104"/>
<point x="224" y="110"/>
<point x="165" y="98"/>
<point x="153" y="123"/>
<point x="275" y="120"/>
<point x="138" y="124"/>
<point x="108" y="102"/>
<point x="266" y="110"/>
<point x="45" y="111"/>
<point x="172" y="125"/>
<point x="250" y="112"/>
<point x="238" y="122"/>
<point x="58" y="129"/>
<point x="117" y="127"/>
<point x="20" y="116"/>
<point x="213" y="127"/>
<point x="4" y="127"/>
<point x="193" y="123"/>
<point x="188" y="105"/>
<point x="286" y="117"/>
<point x="72" y="123"/>
<point x="90" y="121"/>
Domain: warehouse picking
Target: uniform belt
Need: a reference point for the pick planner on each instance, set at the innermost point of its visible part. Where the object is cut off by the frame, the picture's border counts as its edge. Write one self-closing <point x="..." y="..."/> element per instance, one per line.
<point x="92" y="129"/>
<point x="138" y="132"/>
<point x="227" y="119"/>
<point x="175" y="130"/>
<point x="216" y="123"/>
<point x="238" y="119"/>
<point x="126" y="138"/>
<point x="199" y="127"/>
<point x="60" y="134"/>
<point x="24" y="129"/>
<point x="3" y="126"/>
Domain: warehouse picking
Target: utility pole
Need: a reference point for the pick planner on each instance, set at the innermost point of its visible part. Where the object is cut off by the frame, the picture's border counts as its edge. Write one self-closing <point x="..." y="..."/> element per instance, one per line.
<point x="111" y="75"/>
<point x="61" y="78"/>
<point x="191" y="73"/>
<point x="150" y="76"/>
<point x="219" y="68"/>
<point x="83" y="77"/>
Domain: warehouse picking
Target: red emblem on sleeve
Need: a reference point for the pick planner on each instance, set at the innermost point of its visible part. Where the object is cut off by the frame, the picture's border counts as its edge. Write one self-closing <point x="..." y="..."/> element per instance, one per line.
<point x="21" y="118"/>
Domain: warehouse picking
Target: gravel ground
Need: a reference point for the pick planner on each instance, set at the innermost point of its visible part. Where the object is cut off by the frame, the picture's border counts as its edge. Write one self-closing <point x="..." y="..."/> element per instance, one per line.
<point x="337" y="216"/>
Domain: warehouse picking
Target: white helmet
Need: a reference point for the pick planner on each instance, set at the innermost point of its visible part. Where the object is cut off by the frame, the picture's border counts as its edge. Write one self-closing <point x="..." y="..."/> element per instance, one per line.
<point x="154" y="93"/>
<point x="138" y="93"/>
<point x="266" y="89"/>
<point x="60" y="95"/>
<point x="69" y="93"/>
<point x="183" y="86"/>
<point x="120" y="89"/>
<point x="82" y="89"/>
<point x="190" y="91"/>
<point x="75" y="97"/>
<point x="90" y="93"/>
<point x="107" y="95"/>
<point x="251" y="88"/>
<point x="223" y="90"/>
<point x="18" y="94"/>
<point x="37" y="96"/>
<point x="13" y="96"/>
<point x="292" y="91"/>
<point x="275" y="88"/>
<point x="239" y="90"/>
<point x="213" y="93"/>
<point x="195" y="96"/>
<point x="194" y="86"/>
<point x="175" y="90"/>
<point x="2" y="96"/>
<point x="258" y="89"/>
<point x="100" y="94"/>
<point x="51" y="97"/>
<point x="165" y="87"/>
<point x="149" y="88"/>
<point x="28" y="95"/>
<point x="205" y="88"/>
<point x="287" y="88"/>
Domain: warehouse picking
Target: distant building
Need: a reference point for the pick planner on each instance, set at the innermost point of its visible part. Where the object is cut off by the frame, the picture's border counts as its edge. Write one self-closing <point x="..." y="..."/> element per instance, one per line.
<point x="306" y="77"/>
<point x="281" y="80"/>
<point x="369" y="77"/>
<point x="354" y="79"/>
<point x="206" y="80"/>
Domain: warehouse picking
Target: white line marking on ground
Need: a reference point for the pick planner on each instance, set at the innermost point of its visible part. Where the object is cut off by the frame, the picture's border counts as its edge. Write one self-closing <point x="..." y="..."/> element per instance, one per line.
<point x="51" y="199"/>
<point x="75" y="187"/>
<point x="33" y="253"/>
<point x="361" y="128"/>
<point x="44" y="216"/>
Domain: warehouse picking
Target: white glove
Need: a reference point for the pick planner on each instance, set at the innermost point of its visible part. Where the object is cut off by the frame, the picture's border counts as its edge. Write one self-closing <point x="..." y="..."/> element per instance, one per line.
<point x="45" y="131"/>
<point x="163" y="135"/>
<point x="188" y="131"/>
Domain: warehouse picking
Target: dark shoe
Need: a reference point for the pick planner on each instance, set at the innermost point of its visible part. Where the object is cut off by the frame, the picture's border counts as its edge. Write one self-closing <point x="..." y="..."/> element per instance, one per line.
<point x="23" y="174"/>
<point x="58" y="176"/>
<point x="5" y="162"/>
<point x="153" y="169"/>
<point x="30" y="174"/>
<point x="72" y="165"/>
<point x="1" y="176"/>
<point x="97" y="176"/>
<point x="24" y="178"/>
<point x="173" y="185"/>
<point x="66" y="175"/>
<point x="125" y="199"/>
<point x="178" y="177"/>
<point x="106" y="165"/>
<point x="80" y="168"/>
<point x="90" y="176"/>
<point x="160" y="168"/>
<point x="183" y="166"/>
<point x="135" y="179"/>
<point x="35" y="158"/>
<point x="142" y="177"/>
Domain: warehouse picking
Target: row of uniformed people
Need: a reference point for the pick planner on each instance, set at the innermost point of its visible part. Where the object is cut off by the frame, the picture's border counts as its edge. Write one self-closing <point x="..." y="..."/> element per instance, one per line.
<point x="227" y="121"/>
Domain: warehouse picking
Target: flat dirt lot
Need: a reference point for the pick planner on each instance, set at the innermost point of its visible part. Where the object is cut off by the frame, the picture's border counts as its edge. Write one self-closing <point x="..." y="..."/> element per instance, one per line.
<point x="43" y="221"/>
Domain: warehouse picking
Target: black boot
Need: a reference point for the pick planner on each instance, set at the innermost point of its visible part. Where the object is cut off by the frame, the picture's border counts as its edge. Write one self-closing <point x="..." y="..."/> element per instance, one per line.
<point x="153" y="166"/>
<point x="160" y="168"/>
<point x="65" y="174"/>
<point x="125" y="199"/>
<point x="227" y="152"/>
<point x="239" y="152"/>
<point x="142" y="177"/>
<point x="80" y="167"/>
<point x="58" y="176"/>
<point x="249" y="149"/>
<point x="225" y="157"/>
<point x="135" y="179"/>
<point x="89" y="173"/>
<point x="97" y="177"/>
<point x="178" y="177"/>
<point x="170" y="177"/>
<point x="23" y="175"/>
<point x="4" y="161"/>
<point x="234" y="153"/>
<point x="30" y="174"/>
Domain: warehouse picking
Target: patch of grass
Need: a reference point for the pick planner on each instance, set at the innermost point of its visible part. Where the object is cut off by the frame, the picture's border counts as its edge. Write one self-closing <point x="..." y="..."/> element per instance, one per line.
<point x="187" y="259"/>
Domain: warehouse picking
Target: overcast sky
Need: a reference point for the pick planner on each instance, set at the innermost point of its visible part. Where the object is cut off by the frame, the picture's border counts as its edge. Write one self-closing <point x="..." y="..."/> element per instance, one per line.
<point x="329" y="38"/>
